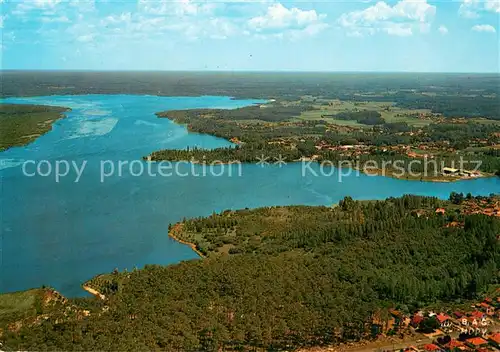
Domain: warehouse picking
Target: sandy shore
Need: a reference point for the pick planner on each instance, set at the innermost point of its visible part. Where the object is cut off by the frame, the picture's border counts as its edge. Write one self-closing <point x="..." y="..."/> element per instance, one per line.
<point x="94" y="292"/>
<point x="173" y="234"/>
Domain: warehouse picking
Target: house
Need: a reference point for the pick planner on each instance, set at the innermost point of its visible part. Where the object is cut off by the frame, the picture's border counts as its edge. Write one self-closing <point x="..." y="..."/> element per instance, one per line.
<point x="478" y="318"/>
<point x="417" y="319"/>
<point x="444" y="320"/>
<point x="494" y="339"/>
<point x="477" y="314"/>
<point x="455" y="345"/>
<point x="441" y="211"/>
<point x="399" y="319"/>
<point x="473" y="322"/>
<point x="489" y="310"/>
<point x="450" y="171"/>
<point x="476" y="342"/>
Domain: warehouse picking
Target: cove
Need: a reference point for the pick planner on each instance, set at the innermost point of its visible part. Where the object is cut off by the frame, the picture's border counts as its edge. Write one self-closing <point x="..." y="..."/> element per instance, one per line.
<point x="63" y="233"/>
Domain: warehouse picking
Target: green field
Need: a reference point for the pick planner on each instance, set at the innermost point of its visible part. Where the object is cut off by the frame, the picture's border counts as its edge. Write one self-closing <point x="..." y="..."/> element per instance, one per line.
<point x="389" y="112"/>
<point x="22" y="124"/>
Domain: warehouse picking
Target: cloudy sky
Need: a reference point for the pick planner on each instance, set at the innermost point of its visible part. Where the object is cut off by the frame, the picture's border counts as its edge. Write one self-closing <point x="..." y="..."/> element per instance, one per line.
<point x="324" y="35"/>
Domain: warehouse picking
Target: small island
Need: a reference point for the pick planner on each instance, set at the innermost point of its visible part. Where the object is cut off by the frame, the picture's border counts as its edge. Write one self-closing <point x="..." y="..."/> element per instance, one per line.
<point x="373" y="137"/>
<point x="22" y="124"/>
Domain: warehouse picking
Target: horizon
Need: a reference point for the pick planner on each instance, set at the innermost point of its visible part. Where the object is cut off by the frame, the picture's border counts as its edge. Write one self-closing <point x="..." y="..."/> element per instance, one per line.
<point x="250" y="71"/>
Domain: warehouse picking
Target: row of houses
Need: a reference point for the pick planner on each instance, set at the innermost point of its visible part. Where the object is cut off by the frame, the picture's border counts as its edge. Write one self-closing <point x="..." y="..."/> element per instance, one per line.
<point x="473" y="330"/>
<point x="487" y="206"/>
<point x="478" y="344"/>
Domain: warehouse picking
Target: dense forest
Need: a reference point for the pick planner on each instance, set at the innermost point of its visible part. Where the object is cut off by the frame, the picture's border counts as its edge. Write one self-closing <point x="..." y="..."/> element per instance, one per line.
<point x="282" y="277"/>
<point x="468" y="95"/>
<point x="22" y="124"/>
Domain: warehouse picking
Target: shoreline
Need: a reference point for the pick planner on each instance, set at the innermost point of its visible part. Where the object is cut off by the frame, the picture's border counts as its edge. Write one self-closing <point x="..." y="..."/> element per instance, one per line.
<point x="177" y="226"/>
<point x="436" y="179"/>
<point x="49" y="124"/>
<point x="377" y="172"/>
<point x="94" y="292"/>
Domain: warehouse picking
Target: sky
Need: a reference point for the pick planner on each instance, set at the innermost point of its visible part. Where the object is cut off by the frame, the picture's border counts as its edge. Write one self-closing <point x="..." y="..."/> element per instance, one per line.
<point x="251" y="35"/>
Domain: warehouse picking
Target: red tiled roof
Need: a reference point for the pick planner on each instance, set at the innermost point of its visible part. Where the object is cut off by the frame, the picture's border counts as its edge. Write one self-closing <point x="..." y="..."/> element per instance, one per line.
<point x="477" y="314"/>
<point x="431" y="347"/>
<point x="495" y="337"/>
<point x="477" y="341"/>
<point x="417" y="319"/>
<point x="442" y="317"/>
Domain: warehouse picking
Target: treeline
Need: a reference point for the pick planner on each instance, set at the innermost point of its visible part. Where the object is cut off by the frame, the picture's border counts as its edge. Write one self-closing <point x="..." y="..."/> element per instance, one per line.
<point x="302" y="276"/>
<point x="485" y="161"/>
<point x="246" y="153"/>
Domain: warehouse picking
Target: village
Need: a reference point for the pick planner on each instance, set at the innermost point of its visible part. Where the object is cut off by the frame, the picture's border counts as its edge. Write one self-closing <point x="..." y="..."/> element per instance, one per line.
<point x="474" y="329"/>
<point x="487" y="206"/>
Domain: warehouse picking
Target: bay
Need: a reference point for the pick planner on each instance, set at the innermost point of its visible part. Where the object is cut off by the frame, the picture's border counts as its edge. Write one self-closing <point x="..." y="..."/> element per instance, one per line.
<point x="62" y="233"/>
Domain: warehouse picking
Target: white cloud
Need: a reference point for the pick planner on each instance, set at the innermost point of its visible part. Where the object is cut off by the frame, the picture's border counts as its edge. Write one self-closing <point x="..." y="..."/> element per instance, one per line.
<point x="484" y="28"/>
<point x="58" y="19"/>
<point x="402" y="19"/>
<point x="29" y="5"/>
<point x="492" y="5"/>
<point x="154" y="20"/>
<point x="117" y="19"/>
<point x="474" y="8"/>
<point x="176" y="8"/>
<point x="87" y="38"/>
<point x="443" y="30"/>
<point x="52" y="7"/>
<point x="398" y="29"/>
<point x="280" y="21"/>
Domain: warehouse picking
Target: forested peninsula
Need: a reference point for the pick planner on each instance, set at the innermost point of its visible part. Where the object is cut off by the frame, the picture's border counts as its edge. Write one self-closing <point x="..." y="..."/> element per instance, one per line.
<point x="279" y="278"/>
<point x="22" y="124"/>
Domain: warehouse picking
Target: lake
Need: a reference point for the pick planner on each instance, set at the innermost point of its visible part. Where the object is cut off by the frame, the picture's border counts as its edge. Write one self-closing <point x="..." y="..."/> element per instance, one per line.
<point x="61" y="232"/>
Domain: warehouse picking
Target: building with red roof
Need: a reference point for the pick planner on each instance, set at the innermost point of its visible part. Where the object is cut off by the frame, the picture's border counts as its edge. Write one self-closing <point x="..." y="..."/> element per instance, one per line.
<point x="441" y="211"/>
<point x="495" y="339"/>
<point x="455" y="344"/>
<point x="417" y="319"/>
<point x="477" y="314"/>
<point x="476" y="342"/>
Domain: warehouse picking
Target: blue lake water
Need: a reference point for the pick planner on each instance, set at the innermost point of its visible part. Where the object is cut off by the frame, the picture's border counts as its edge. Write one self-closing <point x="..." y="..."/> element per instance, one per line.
<point x="63" y="233"/>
